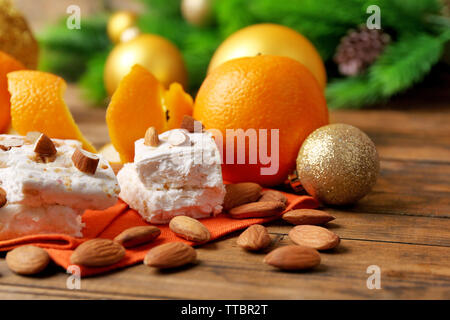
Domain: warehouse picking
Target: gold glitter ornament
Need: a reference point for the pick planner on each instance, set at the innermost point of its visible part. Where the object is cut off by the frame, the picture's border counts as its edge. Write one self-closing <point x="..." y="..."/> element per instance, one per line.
<point x="16" y="38"/>
<point x="338" y="164"/>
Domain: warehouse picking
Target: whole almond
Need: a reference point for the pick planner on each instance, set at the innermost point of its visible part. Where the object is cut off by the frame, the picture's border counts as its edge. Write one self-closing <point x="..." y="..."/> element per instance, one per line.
<point x="254" y="238"/>
<point x="98" y="253"/>
<point x="44" y="146"/>
<point x="307" y="216"/>
<point x="189" y="229"/>
<point x="273" y="195"/>
<point x="170" y="255"/>
<point x="27" y="260"/>
<point x="151" y="137"/>
<point x="314" y="237"/>
<point x="135" y="236"/>
<point x="3" y="199"/>
<point x="85" y="161"/>
<point x="293" y="258"/>
<point x="241" y="193"/>
<point x="257" y="209"/>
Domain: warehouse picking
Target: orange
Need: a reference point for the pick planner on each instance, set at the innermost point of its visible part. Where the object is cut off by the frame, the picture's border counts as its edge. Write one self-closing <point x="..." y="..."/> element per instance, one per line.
<point x="262" y="92"/>
<point x="140" y="101"/>
<point x="176" y="103"/>
<point x="7" y="64"/>
<point x="37" y="104"/>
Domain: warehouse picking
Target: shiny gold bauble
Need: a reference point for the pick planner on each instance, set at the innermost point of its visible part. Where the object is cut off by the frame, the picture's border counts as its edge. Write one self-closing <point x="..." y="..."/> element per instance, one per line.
<point x="197" y="12"/>
<point x="338" y="164"/>
<point x="118" y="23"/>
<point x="271" y="39"/>
<point x="16" y="38"/>
<point x="155" y="53"/>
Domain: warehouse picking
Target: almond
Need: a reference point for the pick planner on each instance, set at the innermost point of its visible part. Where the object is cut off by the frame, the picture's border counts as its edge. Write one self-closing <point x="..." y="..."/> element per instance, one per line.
<point x="257" y="209"/>
<point x="116" y="167"/>
<point x="272" y="195"/>
<point x="241" y="193"/>
<point x="44" y="146"/>
<point x="293" y="258"/>
<point x="32" y="136"/>
<point x="189" y="229"/>
<point x="314" y="237"/>
<point x="307" y="216"/>
<point x="191" y="125"/>
<point x="170" y="255"/>
<point x="3" y="199"/>
<point x="135" y="236"/>
<point x="254" y="238"/>
<point x="85" y="161"/>
<point x="98" y="253"/>
<point x="177" y="138"/>
<point x="27" y="260"/>
<point x="151" y="137"/>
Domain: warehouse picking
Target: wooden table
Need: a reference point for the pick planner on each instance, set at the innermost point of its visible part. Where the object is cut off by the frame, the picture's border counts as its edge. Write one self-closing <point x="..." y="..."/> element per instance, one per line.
<point x="402" y="226"/>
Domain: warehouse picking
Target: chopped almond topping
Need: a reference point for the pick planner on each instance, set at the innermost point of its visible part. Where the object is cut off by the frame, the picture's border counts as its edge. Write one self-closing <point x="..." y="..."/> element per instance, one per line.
<point x="85" y="161"/>
<point x="44" y="146"/>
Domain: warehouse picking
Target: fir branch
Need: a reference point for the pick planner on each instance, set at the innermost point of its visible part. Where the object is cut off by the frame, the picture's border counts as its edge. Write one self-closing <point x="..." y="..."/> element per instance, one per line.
<point x="352" y="92"/>
<point x="90" y="38"/>
<point x="405" y="62"/>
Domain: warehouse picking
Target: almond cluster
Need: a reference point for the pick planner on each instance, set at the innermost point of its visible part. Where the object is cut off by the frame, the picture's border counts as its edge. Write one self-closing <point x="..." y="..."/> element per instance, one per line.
<point x="242" y="201"/>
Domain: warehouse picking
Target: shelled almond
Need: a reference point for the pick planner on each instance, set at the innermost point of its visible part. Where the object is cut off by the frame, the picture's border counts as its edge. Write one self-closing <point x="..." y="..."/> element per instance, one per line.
<point x="257" y="209"/>
<point x="314" y="237"/>
<point x="273" y="195"/>
<point x="135" y="236"/>
<point x="241" y="193"/>
<point x="170" y="255"/>
<point x="190" y="229"/>
<point x="98" y="253"/>
<point x="254" y="238"/>
<point x="307" y="216"/>
<point x="293" y="257"/>
<point x="27" y="260"/>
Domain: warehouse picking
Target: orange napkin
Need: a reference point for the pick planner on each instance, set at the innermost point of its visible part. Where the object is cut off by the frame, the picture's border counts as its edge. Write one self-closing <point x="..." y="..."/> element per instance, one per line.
<point x="112" y="221"/>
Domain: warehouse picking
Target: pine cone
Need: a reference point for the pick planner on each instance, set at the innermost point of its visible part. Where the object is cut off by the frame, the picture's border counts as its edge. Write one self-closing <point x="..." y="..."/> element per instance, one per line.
<point x="359" y="49"/>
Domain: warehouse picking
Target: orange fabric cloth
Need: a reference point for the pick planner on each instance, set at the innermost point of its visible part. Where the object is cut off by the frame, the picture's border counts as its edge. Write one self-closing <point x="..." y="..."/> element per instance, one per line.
<point x="112" y="221"/>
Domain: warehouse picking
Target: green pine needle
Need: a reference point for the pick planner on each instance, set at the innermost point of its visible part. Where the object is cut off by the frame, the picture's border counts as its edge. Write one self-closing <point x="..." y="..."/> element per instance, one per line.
<point x="405" y="62"/>
<point x="352" y="93"/>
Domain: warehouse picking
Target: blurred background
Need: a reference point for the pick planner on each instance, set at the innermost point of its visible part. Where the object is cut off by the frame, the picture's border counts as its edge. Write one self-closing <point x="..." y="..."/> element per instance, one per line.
<point x="373" y="51"/>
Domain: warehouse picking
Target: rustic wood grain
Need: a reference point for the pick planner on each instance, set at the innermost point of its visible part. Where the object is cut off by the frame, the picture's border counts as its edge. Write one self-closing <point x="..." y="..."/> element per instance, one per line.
<point x="402" y="226"/>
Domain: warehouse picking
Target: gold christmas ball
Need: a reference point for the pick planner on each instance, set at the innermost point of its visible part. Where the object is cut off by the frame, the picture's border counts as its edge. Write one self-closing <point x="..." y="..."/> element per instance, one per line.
<point x="155" y="53"/>
<point x="197" y="12"/>
<point x="271" y="39"/>
<point x="118" y="23"/>
<point x="16" y="38"/>
<point x="338" y="164"/>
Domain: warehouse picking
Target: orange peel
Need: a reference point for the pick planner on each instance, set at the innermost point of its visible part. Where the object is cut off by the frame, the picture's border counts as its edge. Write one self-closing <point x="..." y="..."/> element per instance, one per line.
<point x="139" y="102"/>
<point x="7" y="64"/>
<point x="37" y="104"/>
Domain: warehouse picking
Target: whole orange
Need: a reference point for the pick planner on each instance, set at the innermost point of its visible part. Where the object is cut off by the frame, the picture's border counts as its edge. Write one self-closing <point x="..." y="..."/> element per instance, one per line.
<point x="262" y="92"/>
<point x="7" y="64"/>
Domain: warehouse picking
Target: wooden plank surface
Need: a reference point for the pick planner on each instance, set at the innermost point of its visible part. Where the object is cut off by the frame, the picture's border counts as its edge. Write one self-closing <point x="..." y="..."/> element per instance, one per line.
<point x="403" y="227"/>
